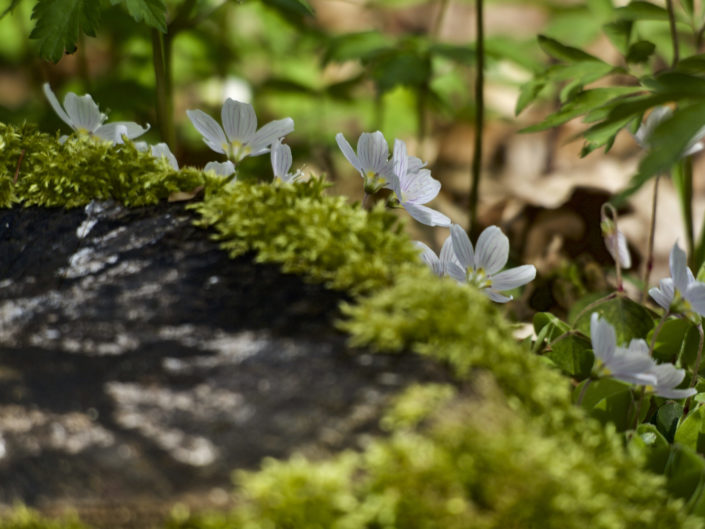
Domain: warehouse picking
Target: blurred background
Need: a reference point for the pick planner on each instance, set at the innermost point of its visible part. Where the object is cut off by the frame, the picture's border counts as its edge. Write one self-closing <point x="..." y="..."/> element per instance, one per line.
<point x="405" y="67"/>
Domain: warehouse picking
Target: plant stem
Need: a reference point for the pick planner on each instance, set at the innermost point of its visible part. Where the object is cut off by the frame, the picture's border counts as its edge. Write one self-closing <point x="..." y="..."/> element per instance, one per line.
<point x="583" y="391"/>
<point x="682" y="177"/>
<point x="594" y="304"/>
<point x="649" y="265"/>
<point x="479" y="116"/>
<point x="637" y="411"/>
<point x="674" y="33"/>
<point x="163" y="84"/>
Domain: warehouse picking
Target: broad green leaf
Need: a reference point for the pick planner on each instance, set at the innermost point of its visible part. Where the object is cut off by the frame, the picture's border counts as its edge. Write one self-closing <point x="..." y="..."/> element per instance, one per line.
<point x="562" y="52"/>
<point x="618" y="409"/>
<point x="579" y="105"/>
<point x="620" y="34"/>
<point x="547" y="322"/>
<point x="639" y="10"/>
<point x="291" y="7"/>
<point x="667" y="418"/>
<point x="598" y="390"/>
<point x="59" y="23"/>
<point x="13" y="5"/>
<point x="151" y="12"/>
<point x="572" y="353"/>
<point x="672" y="137"/>
<point x="691" y="431"/>
<point x="586" y="71"/>
<point x="629" y="319"/>
<point x="677" y="85"/>
<point x="684" y="471"/>
<point x="352" y="46"/>
<point x="677" y="337"/>
<point x="640" y="51"/>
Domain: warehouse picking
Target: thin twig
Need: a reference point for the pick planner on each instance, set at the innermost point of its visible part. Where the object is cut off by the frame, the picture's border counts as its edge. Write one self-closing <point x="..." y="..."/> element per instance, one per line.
<point x="649" y="265"/>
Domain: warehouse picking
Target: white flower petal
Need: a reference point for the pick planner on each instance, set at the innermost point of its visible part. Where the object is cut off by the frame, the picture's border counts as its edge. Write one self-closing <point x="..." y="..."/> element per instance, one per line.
<point x="400" y="164"/>
<point x="239" y="120"/>
<point x="513" y="277"/>
<point x="447" y="251"/>
<point x="455" y="271"/>
<point x="496" y="296"/>
<point x="161" y="150"/>
<point x="110" y="131"/>
<point x="269" y="133"/>
<point x="646" y="129"/>
<point x="348" y="151"/>
<point x="420" y="187"/>
<point x="603" y="337"/>
<point x="373" y="152"/>
<point x="223" y="169"/>
<point x="462" y="246"/>
<point x="426" y="215"/>
<point x="209" y="128"/>
<point x="429" y="257"/>
<point x="678" y="264"/>
<point x="281" y="159"/>
<point x="56" y="105"/>
<point x="83" y="112"/>
<point x="618" y="249"/>
<point x="695" y="294"/>
<point x="492" y="250"/>
<point x="665" y="294"/>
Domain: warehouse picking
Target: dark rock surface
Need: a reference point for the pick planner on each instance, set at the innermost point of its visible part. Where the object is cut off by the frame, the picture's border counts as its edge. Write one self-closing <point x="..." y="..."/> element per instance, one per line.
<point x="138" y="363"/>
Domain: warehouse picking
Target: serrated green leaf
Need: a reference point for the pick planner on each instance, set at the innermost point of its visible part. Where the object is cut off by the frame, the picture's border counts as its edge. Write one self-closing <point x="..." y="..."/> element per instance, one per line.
<point x="9" y="9"/>
<point x="640" y="51"/>
<point x="528" y="94"/>
<point x="639" y="10"/>
<point x="151" y="12"/>
<point x="560" y="51"/>
<point x="59" y="23"/>
<point x="620" y="34"/>
<point x="629" y="319"/>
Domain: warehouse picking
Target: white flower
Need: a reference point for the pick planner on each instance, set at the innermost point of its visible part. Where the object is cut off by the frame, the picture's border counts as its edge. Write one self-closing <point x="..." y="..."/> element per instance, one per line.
<point x="681" y="282"/>
<point x="83" y="115"/>
<point x="629" y="364"/>
<point x="223" y="169"/>
<point x="481" y="267"/>
<point x="616" y="243"/>
<point x="161" y="150"/>
<point x="667" y="378"/>
<point x="371" y="160"/>
<point x="240" y="137"/>
<point x="281" y="162"/>
<point x="437" y="263"/>
<point x="413" y="189"/>
<point x="657" y="116"/>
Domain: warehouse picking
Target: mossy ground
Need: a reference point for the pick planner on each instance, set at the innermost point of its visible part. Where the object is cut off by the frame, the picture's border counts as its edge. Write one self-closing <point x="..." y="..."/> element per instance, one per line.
<point x="507" y="450"/>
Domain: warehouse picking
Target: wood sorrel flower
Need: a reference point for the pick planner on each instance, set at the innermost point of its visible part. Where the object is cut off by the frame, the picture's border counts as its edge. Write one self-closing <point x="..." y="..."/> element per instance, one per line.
<point x="681" y="288"/>
<point x="437" y="263"/>
<point x="372" y="159"/>
<point x="629" y="364"/>
<point x="240" y="137"/>
<point x="481" y="266"/>
<point x="415" y="188"/>
<point x="667" y="378"/>
<point x="161" y="150"/>
<point x="83" y="115"/>
<point x="281" y="162"/>
<point x="223" y="169"/>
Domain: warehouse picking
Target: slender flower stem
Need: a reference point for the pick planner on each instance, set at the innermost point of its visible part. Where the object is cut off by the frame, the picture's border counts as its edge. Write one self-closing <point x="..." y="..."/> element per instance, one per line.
<point x="649" y="265"/>
<point x="479" y="115"/>
<point x="583" y="391"/>
<point x="657" y="330"/>
<point x="161" y="76"/>
<point x="674" y="33"/>
<point x="367" y="201"/>
<point x="594" y="304"/>
<point x="637" y="411"/>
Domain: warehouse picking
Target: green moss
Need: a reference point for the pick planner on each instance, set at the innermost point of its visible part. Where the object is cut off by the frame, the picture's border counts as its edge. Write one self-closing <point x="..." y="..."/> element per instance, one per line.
<point x="310" y="233"/>
<point x="82" y="169"/>
<point x="23" y="518"/>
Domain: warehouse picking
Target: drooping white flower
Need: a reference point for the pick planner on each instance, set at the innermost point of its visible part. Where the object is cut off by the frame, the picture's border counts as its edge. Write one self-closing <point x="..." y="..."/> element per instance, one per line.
<point x="667" y="378"/>
<point x="481" y="266"/>
<point x="630" y="364"/>
<point x="161" y="150"/>
<point x="281" y="162"/>
<point x="616" y="243"/>
<point x="83" y="115"/>
<point x="657" y="116"/>
<point x="371" y="160"/>
<point x="238" y="137"/>
<point x="413" y="189"/>
<point x="681" y="285"/>
<point x="223" y="169"/>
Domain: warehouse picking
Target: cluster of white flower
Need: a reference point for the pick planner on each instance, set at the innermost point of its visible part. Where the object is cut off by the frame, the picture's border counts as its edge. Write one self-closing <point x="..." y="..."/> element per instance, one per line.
<point x="681" y="292"/>
<point x="633" y="364"/>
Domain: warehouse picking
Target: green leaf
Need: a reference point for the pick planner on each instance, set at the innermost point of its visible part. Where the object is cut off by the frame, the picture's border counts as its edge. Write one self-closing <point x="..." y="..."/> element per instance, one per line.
<point x="394" y="67"/>
<point x="547" y="322"/>
<point x="691" y="432"/>
<point x="688" y="6"/>
<point x="581" y="104"/>
<point x="618" y="409"/>
<point x="598" y="390"/>
<point x="629" y="319"/>
<point x="353" y="46"/>
<point x="667" y="418"/>
<point x="458" y="53"/>
<point x="291" y="7"/>
<point x="151" y="12"/>
<point x="620" y="34"/>
<point x="59" y="23"/>
<point x="525" y="54"/>
<point x="572" y="353"/>
<point x="684" y="470"/>
<point x="639" y="10"/>
<point x="694" y="64"/>
<point x="640" y="51"/>
<point x="562" y="52"/>
<point x="677" y="338"/>
<point x="651" y="436"/>
<point x="11" y="7"/>
<point x="528" y="94"/>
<point x="676" y="85"/>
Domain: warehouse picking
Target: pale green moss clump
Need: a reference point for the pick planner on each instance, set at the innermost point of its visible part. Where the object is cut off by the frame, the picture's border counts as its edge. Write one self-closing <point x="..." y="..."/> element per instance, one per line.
<point x="23" y="518"/>
<point x="82" y="169"/>
<point x="310" y="233"/>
